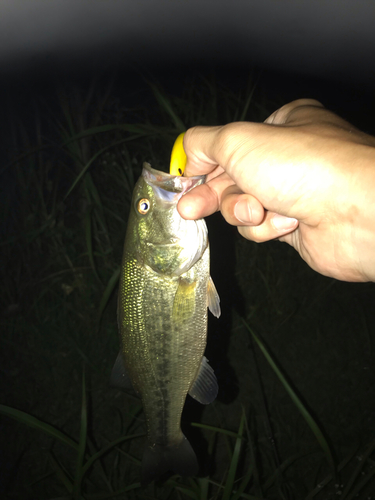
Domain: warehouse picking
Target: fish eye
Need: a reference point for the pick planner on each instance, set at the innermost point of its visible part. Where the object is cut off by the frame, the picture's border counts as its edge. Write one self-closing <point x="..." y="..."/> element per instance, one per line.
<point x="143" y="206"/>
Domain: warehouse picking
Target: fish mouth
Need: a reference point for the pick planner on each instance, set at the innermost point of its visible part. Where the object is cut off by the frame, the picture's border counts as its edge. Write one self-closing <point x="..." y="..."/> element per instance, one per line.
<point x="169" y="187"/>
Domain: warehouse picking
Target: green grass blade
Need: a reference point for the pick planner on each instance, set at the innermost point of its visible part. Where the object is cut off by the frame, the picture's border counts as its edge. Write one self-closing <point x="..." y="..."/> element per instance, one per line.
<point x="95" y="197"/>
<point x="89" y="132"/>
<point x="358" y="470"/>
<point x="186" y="491"/>
<point x="247" y="496"/>
<point x="139" y="130"/>
<point x="322" y="484"/>
<point x="247" y="104"/>
<point x="90" y="162"/>
<point x="35" y="423"/>
<point x="88" y="238"/>
<point x="253" y="470"/>
<point x="61" y="473"/>
<point x="82" y="443"/>
<point x="111" y="285"/>
<point x="204" y="485"/>
<point x="167" y="106"/>
<point x="251" y="497"/>
<point x="215" y="429"/>
<point x="228" y="489"/>
<point x="195" y="487"/>
<point x="245" y="481"/>
<point x="218" y="430"/>
<point x="85" y="168"/>
<point x="362" y="484"/>
<point x="284" y="466"/>
<point x="101" y="473"/>
<point x="105" y="496"/>
<point x="106" y="449"/>
<point x="296" y="400"/>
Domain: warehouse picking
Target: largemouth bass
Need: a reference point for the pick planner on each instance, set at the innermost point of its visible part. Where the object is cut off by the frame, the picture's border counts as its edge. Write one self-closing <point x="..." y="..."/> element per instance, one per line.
<point x="165" y="289"/>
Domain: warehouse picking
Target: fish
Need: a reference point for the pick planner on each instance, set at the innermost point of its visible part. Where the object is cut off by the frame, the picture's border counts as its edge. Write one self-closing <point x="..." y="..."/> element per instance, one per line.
<point x="165" y="290"/>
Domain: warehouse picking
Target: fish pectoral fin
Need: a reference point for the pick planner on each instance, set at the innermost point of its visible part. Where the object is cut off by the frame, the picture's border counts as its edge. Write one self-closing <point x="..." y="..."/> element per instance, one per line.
<point x="184" y="301"/>
<point x="119" y="377"/>
<point x="213" y="299"/>
<point x="204" y="388"/>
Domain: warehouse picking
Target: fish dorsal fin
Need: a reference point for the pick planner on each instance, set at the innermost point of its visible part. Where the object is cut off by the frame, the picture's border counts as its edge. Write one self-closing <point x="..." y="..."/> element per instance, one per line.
<point x="184" y="301"/>
<point x="213" y="299"/>
<point x="204" y="388"/>
<point x="119" y="377"/>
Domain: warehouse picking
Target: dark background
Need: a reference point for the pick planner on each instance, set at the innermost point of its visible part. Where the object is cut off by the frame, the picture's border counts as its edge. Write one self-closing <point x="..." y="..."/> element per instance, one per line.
<point x="323" y="49"/>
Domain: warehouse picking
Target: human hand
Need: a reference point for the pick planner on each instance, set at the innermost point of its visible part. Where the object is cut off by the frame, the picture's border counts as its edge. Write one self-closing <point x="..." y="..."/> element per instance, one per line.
<point x="305" y="177"/>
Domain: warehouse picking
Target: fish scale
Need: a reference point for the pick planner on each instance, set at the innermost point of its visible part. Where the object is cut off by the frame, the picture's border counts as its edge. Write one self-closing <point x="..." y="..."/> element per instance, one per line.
<point x="164" y="290"/>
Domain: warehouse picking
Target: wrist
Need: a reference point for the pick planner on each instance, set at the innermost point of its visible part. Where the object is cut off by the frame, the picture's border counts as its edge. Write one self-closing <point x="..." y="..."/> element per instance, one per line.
<point x="360" y="214"/>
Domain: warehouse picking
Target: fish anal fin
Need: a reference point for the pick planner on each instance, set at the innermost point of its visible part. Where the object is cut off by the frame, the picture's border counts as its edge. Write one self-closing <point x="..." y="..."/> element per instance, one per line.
<point x="157" y="460"/>
<point x="213" y="299"/>
<point x="184" y="301"/>
<point x="119" y="377"/>
<point x="204" y="388"/>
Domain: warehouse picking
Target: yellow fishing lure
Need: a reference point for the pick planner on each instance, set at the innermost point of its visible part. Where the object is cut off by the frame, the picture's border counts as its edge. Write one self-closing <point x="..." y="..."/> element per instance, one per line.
<point x="178" y="157"/>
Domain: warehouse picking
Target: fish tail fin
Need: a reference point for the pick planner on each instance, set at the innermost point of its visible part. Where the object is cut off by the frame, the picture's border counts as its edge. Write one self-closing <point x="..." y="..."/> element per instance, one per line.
<point x="158" y="460"/>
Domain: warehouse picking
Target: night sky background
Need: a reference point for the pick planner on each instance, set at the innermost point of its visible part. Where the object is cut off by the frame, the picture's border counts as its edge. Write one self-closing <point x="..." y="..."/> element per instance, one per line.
<point x="331" y="44"/>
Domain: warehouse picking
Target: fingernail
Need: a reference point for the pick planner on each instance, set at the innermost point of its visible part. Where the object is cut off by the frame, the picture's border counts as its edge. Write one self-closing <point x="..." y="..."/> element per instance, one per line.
<point x="242" y="211"/>
<point x="282" y="223"/>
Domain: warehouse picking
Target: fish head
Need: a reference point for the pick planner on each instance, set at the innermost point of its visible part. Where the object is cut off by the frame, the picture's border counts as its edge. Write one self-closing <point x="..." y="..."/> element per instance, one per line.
<point x="161" y="239"/>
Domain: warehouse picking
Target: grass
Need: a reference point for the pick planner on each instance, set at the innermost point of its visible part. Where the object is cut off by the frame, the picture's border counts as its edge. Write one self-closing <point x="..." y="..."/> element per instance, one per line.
<point x="292" y="351"/>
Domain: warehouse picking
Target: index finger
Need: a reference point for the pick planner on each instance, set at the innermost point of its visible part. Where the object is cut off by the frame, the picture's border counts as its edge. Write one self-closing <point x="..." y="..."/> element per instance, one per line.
<point x="210" y="150"/>
<point x="199" y="147"/>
